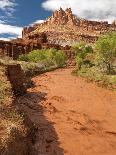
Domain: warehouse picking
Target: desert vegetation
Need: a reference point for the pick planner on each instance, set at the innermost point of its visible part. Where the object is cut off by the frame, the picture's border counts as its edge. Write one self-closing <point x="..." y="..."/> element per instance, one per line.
<point x="40" y="61"/>
<point x="11" y="121"/>
<point x="48" y="57"/>
<point x="97" y="62"/>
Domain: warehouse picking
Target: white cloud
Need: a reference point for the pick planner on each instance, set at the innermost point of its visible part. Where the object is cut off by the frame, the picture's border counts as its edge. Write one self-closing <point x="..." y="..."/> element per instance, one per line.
<point x="11" y="30"/>
<point x="6" y="3"/>
<point x="37" y="22"/>
<point x="7" y="6"/>
<point x="1" y="21"/>
<point x="5" y="39"/>
<point x="89" y="9"/>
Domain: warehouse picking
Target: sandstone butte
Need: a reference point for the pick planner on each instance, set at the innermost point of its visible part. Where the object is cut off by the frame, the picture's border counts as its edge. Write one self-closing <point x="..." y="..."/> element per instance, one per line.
<point x="64" y="27"/>
<point x="58" y="31"/>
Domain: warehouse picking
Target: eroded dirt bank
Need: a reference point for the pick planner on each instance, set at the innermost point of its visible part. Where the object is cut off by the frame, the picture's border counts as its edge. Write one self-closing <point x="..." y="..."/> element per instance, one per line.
<point x="72" y="117"/>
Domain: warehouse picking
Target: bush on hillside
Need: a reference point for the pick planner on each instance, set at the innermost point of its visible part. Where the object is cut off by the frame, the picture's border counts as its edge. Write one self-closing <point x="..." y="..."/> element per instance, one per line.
<point x="83" y="52"/>
<point x="106" y="52"/>
<point x="94" y="74"/>
<point x="98" y="64"/>
<point x="49" y="57"/>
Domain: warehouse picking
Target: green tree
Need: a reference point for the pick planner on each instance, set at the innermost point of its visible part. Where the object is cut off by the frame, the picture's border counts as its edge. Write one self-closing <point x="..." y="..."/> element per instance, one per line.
<point x="106" y="51"/>
<point x="49" y="57"/>
<point x="82" y="50"/>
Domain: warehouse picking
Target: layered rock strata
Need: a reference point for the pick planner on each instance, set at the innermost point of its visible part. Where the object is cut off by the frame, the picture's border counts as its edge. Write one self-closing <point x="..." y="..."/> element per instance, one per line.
<point x="64" y="27"/>
<point x="61" y="29"/>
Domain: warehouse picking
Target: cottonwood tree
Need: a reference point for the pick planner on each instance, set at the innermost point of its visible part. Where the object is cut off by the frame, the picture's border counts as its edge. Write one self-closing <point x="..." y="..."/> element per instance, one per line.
<point x="82" y="50"/>
<point x="106" y="52"/>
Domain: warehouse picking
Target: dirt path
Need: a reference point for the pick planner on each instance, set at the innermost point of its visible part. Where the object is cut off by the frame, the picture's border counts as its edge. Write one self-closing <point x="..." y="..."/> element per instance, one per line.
<point x="73" y="117"/>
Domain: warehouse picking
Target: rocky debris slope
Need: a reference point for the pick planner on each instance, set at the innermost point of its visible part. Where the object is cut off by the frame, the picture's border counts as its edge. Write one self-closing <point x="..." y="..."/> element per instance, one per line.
<point x="63" y="26"/>
<point x="15" y="127"/>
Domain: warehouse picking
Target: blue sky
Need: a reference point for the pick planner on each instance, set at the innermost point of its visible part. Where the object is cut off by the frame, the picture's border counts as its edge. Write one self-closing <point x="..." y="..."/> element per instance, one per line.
<point x="15" y="14"/>
<point x="19" y="13"/>
<point x="28" y="11"/>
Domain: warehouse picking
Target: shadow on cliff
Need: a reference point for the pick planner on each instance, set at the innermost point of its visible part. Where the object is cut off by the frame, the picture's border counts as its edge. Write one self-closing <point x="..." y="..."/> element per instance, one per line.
<point x="45" y="140"/>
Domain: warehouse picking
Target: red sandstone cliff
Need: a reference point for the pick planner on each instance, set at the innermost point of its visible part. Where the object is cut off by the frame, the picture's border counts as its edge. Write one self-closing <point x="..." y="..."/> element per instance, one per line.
<point x="62" y="28"/>
<point x="65" y="27"/>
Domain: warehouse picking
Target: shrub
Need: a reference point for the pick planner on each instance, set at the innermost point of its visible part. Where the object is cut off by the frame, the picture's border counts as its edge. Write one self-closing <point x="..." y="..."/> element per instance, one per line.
<point x="82" y="51"/>
<point x="23" y="58"/>
<point x="92" y="62"/>
<point x="106" y="51"/>
<point x="49" y="57"/>
<point x="94" y="74"/>
<point x="60" y="58"/>
<point x="78" y="47"/>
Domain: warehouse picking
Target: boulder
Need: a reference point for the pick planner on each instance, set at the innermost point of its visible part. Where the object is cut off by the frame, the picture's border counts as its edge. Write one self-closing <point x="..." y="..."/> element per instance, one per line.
<point x="17" y="79"/>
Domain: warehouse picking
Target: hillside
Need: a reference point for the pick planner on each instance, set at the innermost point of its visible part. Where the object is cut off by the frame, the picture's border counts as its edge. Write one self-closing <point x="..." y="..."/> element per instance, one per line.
<point x="65" y="28"/>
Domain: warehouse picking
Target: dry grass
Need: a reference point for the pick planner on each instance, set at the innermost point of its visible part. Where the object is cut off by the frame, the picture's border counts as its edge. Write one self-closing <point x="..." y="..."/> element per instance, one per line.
<point x="11" y="122"/>
<point x="95" y="75"/>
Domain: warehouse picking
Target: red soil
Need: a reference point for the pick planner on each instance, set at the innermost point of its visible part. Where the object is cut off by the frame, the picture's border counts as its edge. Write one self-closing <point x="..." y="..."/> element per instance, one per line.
<point x="73" y="117"/>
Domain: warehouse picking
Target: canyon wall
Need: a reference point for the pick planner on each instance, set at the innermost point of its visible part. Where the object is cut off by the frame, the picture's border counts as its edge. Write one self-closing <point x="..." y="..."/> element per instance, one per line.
<point x="63" y="26"/>
<point x="17" y="47"/>
<point x="58" y="31"/>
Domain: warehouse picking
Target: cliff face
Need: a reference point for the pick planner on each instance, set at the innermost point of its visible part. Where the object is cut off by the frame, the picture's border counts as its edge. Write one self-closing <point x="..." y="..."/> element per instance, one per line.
<point x="64" y="27"/>
<point x="16" y="47"/>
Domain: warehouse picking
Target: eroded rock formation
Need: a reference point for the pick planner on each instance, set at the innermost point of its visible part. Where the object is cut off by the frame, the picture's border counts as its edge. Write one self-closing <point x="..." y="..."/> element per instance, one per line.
<point x="58" y="31"/>
<point x="65" y="28"/>
<point x="17" y="47"/>
<point x="17" y="79"/>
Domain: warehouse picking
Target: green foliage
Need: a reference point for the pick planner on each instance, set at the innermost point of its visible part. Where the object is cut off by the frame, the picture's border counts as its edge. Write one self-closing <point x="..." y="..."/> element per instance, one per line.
<point x="49" y="57"/>
<point x="60" y="58"/>
<point x="78" y="47"/>
<point x="94" y="74"/>
<point x="98" y="64"/>
<point x="106" y="52"/>
<point x="82" y="51"/>
<point x="31" y="69"/>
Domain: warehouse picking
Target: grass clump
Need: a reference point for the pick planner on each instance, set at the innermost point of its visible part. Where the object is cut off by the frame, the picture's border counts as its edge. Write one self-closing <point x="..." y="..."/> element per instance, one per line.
<point x="95" y="75"/>
<point x="31" y="69"/>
